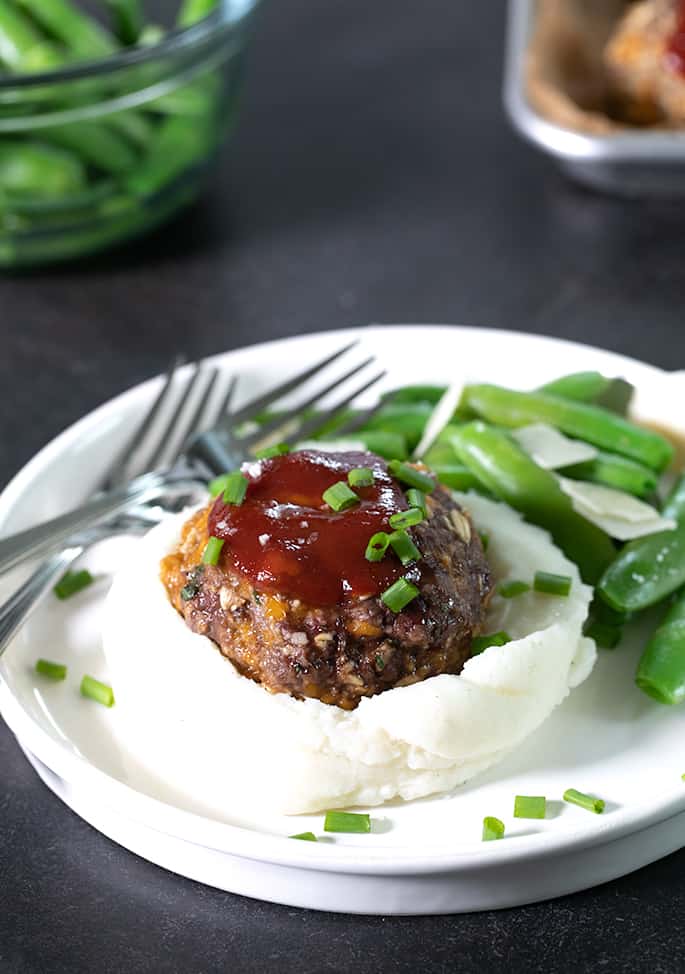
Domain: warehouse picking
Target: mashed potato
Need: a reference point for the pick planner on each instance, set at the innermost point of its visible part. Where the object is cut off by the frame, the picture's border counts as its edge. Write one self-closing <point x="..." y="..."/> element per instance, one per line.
<point x="192" y="720"/>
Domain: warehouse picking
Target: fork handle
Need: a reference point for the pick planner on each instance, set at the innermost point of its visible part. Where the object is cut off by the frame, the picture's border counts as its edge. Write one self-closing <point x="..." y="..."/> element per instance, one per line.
<point x="20" y="605"/>
<point x="50" y="535"/>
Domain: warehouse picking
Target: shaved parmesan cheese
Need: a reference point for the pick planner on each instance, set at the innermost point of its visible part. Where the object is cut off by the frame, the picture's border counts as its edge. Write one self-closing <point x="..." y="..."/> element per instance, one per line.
<point x="550" y="448"/>
<point x="621" y="515"/>
<point x="439" y="418"/>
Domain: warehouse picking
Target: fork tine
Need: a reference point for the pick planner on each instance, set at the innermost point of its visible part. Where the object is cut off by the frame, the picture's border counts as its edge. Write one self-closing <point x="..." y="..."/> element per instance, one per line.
<point x="118" y="468"/>
<point x="261" y="402"/>
<point x="308" y="427"/>
<point x="194" y="424"/>
<point x="355" y="423"/>
<point x="153" y="460"/>
<point x="226" y="401"/>
<point x="279" y="421"/>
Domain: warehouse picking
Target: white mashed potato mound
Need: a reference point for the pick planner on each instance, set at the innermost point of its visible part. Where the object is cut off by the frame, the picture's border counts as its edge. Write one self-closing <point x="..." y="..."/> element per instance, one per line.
<point x="191" y="720"/>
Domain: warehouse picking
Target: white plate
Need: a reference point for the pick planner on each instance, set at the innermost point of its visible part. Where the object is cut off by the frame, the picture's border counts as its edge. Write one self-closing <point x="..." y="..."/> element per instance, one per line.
<point x="422" y="857"/>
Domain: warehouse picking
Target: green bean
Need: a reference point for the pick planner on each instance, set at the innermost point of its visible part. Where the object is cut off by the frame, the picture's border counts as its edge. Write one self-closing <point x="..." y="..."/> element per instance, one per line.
<point x="650" y="568"/>
<point x="194" y="10"/>
<point x="150" y="35"/>
<point x="133" y="125"/>
<point x="510" y="474"/>
<point x="409" y="419"/>
<point x="83" y="36"/>
<point x="457" y="476"/>
<point x="616" y="471"/>
<point x="578" y="386"/>
<point x="34" y="169"/>
<point x="178" y="143"/>
<point x="411" y="394"/>
<point x="96" y="144"/>
<point x="22" y="46"/>
<point x="128" y="19"/>
<point x="585" y="422"/>
<point x="661" y="670"/>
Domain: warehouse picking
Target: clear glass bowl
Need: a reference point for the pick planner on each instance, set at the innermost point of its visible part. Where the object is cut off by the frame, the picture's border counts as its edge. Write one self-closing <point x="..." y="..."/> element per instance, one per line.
<point x="103" y="151"/>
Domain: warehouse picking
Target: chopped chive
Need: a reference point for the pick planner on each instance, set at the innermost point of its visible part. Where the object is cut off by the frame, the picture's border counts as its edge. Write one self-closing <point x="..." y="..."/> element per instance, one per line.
<point x="360" y="477"/>
<point x="277" y="450"/>
<point x="401" y="593"/>
<point x="55" y="671"/>
<point x="530" y="806"/>
<point x="605" y="635"/>
<point x="340" y="497"/>
<point x="377" y="546"/>
<point x="493" y="828"/>
<point x="585" y="801"/>
<point x="551" y="584"/>
<point x="236" y="488"/>
<point x="73" y="582"/>
<point x="509" y="590"/>
<point x="404" y="547"/>
<point x="682" y="777"/>
<point x="417" y="498"/>
<point x="481" y="643"/>
<point x="346" y="822"/>
<point x="406" y="519"/>
<point x="307" y="836"/>
<point x="484" y="539"/>
<point x="380" y="666"/>
<point x="411" y="476"/>
<point x="189" y="591"/>
<point x="210" y="556"/>
<point x="94" y="690"/>
<point x="218" y="485"/>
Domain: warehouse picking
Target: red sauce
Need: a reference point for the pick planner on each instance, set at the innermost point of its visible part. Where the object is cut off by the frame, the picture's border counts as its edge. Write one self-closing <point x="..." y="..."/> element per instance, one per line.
<point x="675" y="49"/>
<point x="286" y="539"/>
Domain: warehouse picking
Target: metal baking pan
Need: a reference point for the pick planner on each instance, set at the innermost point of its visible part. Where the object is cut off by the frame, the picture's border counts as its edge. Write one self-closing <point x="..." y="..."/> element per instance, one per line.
<point x="640" y="162"/>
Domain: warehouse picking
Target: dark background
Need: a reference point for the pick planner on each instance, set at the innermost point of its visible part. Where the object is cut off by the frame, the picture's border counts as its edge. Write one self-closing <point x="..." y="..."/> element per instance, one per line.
<point x="373" y="178"/>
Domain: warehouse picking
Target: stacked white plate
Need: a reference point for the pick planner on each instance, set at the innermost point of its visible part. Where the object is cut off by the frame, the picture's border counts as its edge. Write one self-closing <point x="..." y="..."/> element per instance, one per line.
<point x="421" y="857"/>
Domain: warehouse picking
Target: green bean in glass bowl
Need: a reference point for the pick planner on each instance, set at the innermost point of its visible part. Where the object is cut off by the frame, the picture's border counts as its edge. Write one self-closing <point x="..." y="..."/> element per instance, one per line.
<point x="109" y="124"/>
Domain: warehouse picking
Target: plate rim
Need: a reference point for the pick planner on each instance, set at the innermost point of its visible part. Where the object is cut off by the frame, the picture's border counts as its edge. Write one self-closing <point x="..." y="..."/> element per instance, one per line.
<point x="278" y="849"/>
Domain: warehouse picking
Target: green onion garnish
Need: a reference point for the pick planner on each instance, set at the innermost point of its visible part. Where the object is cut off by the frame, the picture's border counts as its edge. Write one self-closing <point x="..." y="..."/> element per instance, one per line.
<point x="585" y="801"/>
<point x="236" y="487"/>
<point x="551" y="584"/>
<point x="417" y="498"/>
<point x="406" y="519"/>
<point x="399" y="594"/>
<point x="493" y="828"/>
<point x="340" y="497"/>
<point x="94" y="690"/>
<point x="189" y="591"/>
<point x="411" y="476"/>
<point x="605" y="635"/>
<point x="346" y="822"/>
<point x="404" y="547"/>
<point x="277" y="450"/>
<point x="307" y="836"/>
<point x="481" y="643"/>
<point x="484" y="539"/>
<point x="530" y="806"/>
<point x="218" y="485"/>
<point x="360" y="477"/>
<point x="55" y="671"/>
<point x="509" y="590"/>
<point x="73" y="582"/>
<point x="210" y="556"/>
<point x="377" y="546"/>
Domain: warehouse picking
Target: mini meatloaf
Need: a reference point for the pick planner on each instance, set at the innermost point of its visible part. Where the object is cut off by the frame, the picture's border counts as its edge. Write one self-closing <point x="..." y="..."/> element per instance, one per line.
<point x="295" y="604"/>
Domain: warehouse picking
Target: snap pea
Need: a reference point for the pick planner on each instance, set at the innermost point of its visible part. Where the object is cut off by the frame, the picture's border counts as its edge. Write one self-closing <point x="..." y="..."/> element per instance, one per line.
<point x="661" y="670"/>
<point x="457" y="476"/>
<point x="386" y="443"/>
<point x="411" y="394"/>
<point x="192" y="11"/>
<point x="650" y="568"/>
<point x="581" y="420"/>
<point x="83" y="37"/>
<point x="128" y="19"/>
<point x="578" y="386"/>
<point x="36" y="170"/>
<point x="409" y="419"/>
<point x="510" y="474"/>
<point x="616" y="471"/>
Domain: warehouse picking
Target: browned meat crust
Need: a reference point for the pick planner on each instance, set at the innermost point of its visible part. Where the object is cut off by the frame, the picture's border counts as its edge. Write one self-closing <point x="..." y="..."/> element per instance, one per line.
<point x="359" y="648"/>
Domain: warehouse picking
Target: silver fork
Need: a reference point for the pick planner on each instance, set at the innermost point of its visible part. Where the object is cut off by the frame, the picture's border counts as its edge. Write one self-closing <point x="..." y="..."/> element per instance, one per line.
<point x="216" y="450"/>
<point x="190" y="415"/>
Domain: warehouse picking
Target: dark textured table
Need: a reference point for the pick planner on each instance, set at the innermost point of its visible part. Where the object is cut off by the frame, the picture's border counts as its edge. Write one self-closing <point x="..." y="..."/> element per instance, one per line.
<point x="373" y="178"/>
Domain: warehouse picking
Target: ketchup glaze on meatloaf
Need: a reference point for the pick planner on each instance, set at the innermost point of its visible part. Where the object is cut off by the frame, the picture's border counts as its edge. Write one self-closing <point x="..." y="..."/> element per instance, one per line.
<point x="295" y="605"/>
